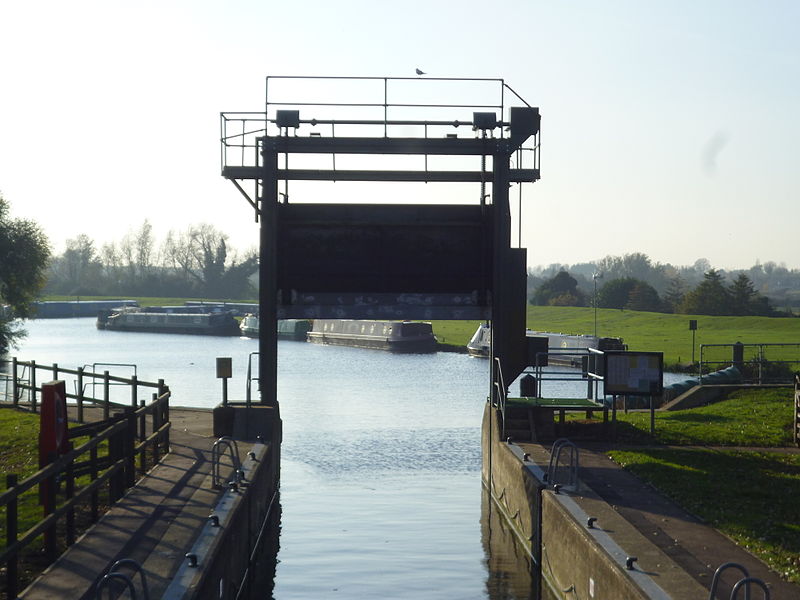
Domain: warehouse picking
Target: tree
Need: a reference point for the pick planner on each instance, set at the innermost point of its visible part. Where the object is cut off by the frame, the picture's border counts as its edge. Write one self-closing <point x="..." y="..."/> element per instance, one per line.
<point x="710" y="297"/>
<point x="676" y="290"/>
<point x="745" y="300"/>
<point x="561" y="290"/>
<point x="644" y="296"/>
<point x="201" y="255"/>
<point x="742" y="295"/>
<point x="616" y="292"/>
<point x="24" y="253"/>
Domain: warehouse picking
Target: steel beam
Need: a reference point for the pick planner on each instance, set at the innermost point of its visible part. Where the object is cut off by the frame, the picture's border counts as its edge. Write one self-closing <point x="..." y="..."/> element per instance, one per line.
<point x="515" y="175"/>
<point x="381" y="145"/>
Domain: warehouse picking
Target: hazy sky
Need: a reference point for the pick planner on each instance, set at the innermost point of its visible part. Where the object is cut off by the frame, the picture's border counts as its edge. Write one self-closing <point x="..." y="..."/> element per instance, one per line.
<point x="669" y="128"/>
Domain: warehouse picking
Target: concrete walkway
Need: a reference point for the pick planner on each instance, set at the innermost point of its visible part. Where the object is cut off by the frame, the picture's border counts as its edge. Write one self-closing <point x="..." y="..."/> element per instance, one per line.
<point x="155" y="524"/>
<point x="697" y="548"/>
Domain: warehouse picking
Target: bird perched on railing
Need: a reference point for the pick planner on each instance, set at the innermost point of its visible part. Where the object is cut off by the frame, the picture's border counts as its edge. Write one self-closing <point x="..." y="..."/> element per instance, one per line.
<point x="420" y="71"/>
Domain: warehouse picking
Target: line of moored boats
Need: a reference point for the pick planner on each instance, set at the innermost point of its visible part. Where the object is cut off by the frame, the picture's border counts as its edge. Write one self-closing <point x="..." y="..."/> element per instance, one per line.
<point x="395" y="336"/>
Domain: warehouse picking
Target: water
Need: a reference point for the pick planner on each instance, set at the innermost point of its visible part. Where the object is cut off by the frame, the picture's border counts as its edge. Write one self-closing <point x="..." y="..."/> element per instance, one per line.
<point x="380" y="477"/>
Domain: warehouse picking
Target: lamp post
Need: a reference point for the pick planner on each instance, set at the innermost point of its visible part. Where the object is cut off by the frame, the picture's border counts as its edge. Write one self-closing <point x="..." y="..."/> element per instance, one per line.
<point x="595" y="277"/>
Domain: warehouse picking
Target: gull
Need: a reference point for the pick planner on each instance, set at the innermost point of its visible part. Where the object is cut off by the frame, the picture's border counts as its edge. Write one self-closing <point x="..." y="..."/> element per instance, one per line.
<point x="420" y="72"/>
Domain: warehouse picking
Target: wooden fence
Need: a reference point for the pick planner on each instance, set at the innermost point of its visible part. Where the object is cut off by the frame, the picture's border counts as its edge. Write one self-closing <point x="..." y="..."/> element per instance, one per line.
<point x="109" y="458"/>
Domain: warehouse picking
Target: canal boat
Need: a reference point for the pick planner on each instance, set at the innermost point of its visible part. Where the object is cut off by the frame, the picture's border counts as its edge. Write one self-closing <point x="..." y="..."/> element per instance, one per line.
<point x="288" y="329"/>
<point x="158" y="321"/>
<point x="558" y="343"/>
<point x="395" y="336"/>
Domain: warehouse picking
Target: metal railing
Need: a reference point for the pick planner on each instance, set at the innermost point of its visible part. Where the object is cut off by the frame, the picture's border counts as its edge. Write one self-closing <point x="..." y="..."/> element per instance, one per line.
<point x="114" y="574"/>
<point x="251" y="378"/>
<point x="758" y="363"/>
<point x="217" y="451"/>
<point x="554" y="469"/>
<point x="500" y="393"/>
<point x="744" y="583"/>
<point x="21" y="386"/>
<point x="368" y="107"/>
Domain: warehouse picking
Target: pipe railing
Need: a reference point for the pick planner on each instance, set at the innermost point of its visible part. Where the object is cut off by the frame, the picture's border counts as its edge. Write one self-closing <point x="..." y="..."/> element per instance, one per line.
<point x="24" y="375"/>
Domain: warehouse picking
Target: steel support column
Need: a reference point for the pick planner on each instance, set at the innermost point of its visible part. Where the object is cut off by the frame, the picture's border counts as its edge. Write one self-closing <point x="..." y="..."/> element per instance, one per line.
<point x="508" y="281"/>
<point x="267" y="279"/>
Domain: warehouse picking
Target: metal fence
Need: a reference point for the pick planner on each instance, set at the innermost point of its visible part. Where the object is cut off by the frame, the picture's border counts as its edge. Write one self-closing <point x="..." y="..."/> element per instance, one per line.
<point x="757" y="363"/>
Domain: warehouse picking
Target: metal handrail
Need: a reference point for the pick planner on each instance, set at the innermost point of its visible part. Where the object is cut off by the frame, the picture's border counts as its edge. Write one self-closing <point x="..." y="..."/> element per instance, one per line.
<point x="104" y="582"/>
<point x="137" y="568"/>
<point x="718" y="573"/>
<point x="250" y="378"/>
<point x="555" y="457"/>
<point x="247" y="135"/>
<point x="746" y="584"/>
<point x="217" y="450"/>
<point x="499" y="384"/>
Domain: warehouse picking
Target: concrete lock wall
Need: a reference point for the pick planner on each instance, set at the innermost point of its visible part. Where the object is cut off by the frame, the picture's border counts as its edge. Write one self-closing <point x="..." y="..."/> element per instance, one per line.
<point x="223" y="552"/>
<point x="570" y="561"/>
<point x="573" y="564"/>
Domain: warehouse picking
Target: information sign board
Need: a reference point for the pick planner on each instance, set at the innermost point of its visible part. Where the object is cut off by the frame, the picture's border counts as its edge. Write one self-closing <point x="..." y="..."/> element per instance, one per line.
<point x="634" y="373"/>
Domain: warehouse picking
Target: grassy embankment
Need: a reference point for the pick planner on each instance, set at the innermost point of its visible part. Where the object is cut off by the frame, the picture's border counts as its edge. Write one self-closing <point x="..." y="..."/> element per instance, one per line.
<point x="643" y="331"/>
<point x="746" y="486"/>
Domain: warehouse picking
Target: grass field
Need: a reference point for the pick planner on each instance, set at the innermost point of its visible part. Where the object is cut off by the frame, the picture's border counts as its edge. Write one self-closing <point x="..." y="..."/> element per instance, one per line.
<point x="750" y="495"/>
<point x="643" y="331"/>
<point x="667" y="333"/>
<point x="750" y="418"/>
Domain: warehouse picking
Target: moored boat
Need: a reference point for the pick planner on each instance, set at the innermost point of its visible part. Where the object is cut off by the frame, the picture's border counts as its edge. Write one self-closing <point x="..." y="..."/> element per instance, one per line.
<point x="395" y="336"/>
<point x="288" y="329"/>
<point x="158" y="321"/>
<point x="558" y="343"/>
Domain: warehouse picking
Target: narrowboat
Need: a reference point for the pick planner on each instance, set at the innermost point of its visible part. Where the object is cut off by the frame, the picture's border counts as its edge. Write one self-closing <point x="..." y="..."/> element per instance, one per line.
<point x="288" y="329"/>
<point x="158" y="321"/>
<point x="395" y="336"/>
<point x="558" y="343"/>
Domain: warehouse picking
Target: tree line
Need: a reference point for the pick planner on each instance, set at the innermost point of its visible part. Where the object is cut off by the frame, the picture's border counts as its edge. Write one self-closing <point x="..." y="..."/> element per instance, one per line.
<point x="630" y="282"/>
<point x="196" y="262"/>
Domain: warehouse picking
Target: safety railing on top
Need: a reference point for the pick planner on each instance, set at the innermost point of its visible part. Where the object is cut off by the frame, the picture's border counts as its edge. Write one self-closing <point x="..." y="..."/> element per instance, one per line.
<point x="368" y="107"/>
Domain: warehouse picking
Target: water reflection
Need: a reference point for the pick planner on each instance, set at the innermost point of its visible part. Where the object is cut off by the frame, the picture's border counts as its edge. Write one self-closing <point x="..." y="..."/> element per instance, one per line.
<point x="510" y="569"/>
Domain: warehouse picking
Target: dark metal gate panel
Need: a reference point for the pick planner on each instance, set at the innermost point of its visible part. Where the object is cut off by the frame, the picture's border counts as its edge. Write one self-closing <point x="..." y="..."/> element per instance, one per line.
<point x="412" y="261"/>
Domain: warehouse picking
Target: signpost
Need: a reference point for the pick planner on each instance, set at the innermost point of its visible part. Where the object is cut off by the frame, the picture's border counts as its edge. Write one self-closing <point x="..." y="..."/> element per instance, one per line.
<point x="634" y="374"/>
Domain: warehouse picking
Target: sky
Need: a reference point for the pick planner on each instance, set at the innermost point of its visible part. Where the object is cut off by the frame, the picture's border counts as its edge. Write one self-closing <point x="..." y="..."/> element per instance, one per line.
<point x="668" y="128"/>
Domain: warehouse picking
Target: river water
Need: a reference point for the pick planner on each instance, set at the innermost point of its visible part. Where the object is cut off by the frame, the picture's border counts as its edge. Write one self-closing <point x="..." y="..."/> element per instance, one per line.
<point x="380" y="477"/>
